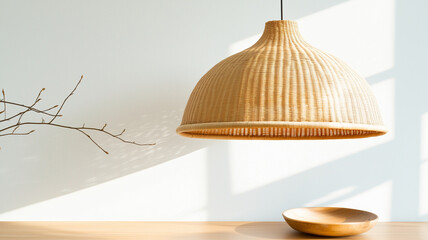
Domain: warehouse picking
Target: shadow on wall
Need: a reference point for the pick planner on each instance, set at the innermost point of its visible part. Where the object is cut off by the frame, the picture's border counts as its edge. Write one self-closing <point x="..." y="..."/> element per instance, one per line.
<point x="398" y="161"/>
<point x="150" y="109"/>
<point x="64" y="170"/>
<point x="154" y="117"/>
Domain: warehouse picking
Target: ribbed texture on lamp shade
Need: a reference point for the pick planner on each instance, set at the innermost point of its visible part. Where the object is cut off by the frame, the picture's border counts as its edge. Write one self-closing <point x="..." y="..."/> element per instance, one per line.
<point x="281" y="88"/>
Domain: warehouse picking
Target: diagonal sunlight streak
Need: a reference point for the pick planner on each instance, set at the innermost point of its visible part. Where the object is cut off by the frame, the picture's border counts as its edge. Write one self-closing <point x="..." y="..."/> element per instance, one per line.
<point x="247" y="178"/>
<point x="410" y="99"/>
<point x="424" y="137"/>
<point x="268" y="201"/>
<point x="333" y="196"/>
<point x="314" y="179"/>
<point x="423" y="189"/>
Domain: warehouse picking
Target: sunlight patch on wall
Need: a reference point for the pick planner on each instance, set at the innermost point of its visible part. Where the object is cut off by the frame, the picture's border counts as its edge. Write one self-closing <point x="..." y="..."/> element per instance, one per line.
<point x="376" y="200"/>
<point x="385" y="95"/>
<point x="243" y="44"/>
<point x="424" y="137"/>
<point x="360" y="32"/>
<point x="423" y="189"/>
<point x="364" y="38"/>
<point x="251" y="160"/>
<point x="423" y="192"/>
<point x="171" y="191"/>
<point x="331" y="196"/>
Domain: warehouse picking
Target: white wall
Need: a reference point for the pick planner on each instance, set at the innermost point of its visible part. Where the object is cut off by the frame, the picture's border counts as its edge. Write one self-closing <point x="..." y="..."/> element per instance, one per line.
<point x="141" y="59"/>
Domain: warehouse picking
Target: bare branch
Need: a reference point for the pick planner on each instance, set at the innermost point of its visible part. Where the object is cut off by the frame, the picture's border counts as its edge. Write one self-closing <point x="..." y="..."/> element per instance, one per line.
<point x="65" y="100"/>
<point x="10" y="118"/>
<point x="28" y="109"/>
<point x="17" y="134"/>
<point x="120" y="134"/>
<point x="16" y="128"/>
<point x="81" y="130"/>
<point x="102" y="149"/>
<point x="4" y="103"/>
<point x="48" y="109"/>
<point x="38" y="99"/>
<point x="11" y="129"/>
<point x="32" y="109"/>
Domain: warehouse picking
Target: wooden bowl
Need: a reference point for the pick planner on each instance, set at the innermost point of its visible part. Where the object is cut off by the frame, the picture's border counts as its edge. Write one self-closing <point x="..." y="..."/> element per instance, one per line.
<point x="330" y="221"/>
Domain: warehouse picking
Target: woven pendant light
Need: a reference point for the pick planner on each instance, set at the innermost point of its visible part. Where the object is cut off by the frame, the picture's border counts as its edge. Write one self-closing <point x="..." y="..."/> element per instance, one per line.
<point x="281" y="88"/>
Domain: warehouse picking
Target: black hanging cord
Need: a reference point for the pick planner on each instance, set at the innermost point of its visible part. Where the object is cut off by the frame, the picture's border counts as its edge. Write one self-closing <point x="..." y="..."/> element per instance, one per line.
<point x="282" y="12"/>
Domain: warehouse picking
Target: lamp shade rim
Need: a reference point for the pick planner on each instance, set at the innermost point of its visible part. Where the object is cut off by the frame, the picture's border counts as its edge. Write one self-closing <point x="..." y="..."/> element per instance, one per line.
<point x="193" y="130"/>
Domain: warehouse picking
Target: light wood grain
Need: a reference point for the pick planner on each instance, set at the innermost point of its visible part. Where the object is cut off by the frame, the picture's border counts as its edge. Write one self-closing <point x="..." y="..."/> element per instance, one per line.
<point x="281" y="88"/>
<point x="330" y="221"/>
<point x="190" y="231"/>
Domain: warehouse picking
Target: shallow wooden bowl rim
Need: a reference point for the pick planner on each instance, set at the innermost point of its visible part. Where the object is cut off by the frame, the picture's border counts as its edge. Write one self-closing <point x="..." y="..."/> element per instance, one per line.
<point x="330" y="223"/>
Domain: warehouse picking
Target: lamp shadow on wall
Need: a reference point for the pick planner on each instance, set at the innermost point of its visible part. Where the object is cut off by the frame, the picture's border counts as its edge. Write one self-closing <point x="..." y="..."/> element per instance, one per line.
<point x="148" y="115"/>
<point x="394" y="160"/>
<point x="397" y="161"/>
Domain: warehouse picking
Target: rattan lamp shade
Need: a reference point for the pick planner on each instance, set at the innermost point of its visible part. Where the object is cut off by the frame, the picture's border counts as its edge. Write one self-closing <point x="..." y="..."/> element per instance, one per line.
<point x="281" y="88"/>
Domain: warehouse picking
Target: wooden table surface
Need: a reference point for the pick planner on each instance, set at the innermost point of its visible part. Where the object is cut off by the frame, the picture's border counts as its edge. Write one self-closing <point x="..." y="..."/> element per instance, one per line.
<point x="190" y="231"/>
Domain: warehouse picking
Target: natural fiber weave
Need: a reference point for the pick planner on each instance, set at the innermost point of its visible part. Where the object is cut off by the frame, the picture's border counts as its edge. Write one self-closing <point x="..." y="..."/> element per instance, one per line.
<point x="281" y="88"/>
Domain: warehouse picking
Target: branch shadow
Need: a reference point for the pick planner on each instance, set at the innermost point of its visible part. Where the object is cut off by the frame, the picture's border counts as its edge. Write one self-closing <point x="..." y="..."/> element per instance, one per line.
<point x="63" y="170"/>
<point x="72" y="165"/>
<point x="397" y="161"/>
<point x="269" y="201"/>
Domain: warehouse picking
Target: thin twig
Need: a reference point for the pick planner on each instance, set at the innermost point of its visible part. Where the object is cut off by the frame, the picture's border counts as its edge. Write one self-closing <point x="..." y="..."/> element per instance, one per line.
<point x="102" y="149"/>
<point x="12" y="117"/>
<point x="4" y="103"/>
<point x="34" y="104"/>
<point x="65" y="100"/>
<point x="23" y="112"/>
<point x="48" y="109"/>
<point x="17" y="134"/>
<point x="120" y="134"/>
<point x="28" y="109"/>
<point x="32" y="109"/>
